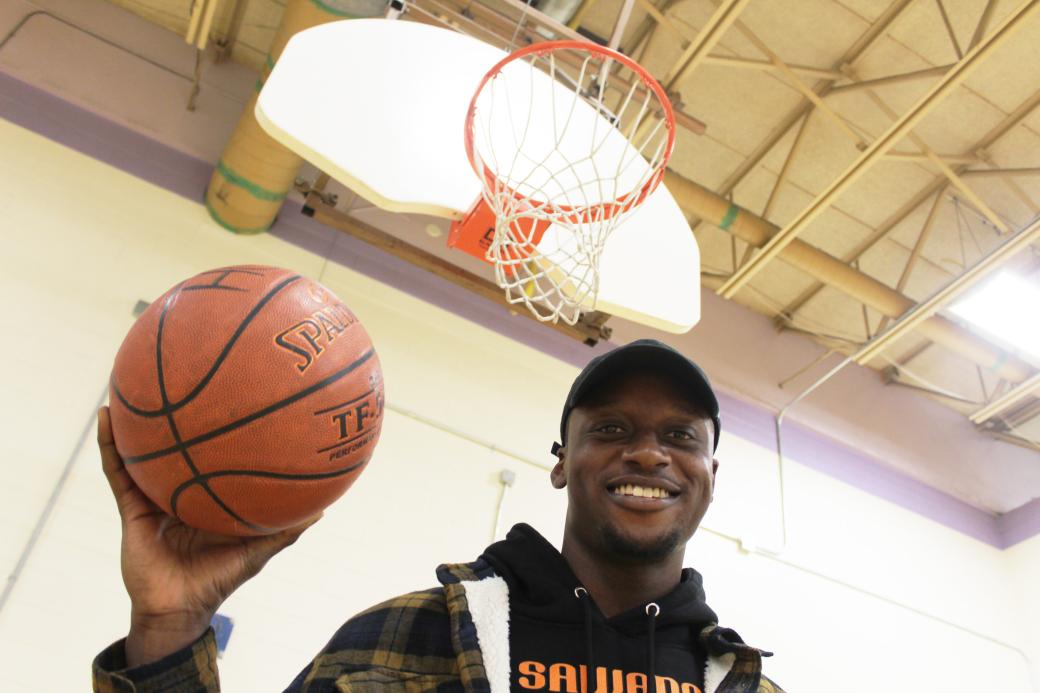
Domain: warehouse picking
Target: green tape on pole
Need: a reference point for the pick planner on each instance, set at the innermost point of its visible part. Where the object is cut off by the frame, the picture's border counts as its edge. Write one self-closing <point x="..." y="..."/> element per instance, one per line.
<point x="270" y="62"/>
<point x="729" y="217"/>
<point x="332" y="10"/>
<point x="229" y="227"/>
<point x="249" y="186"/>
<point x="259" y="85"/>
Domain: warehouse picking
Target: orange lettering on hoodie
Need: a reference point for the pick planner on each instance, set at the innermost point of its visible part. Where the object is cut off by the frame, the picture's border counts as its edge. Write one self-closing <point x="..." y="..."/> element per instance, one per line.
<point x="532" y="675"/>
<point x="561" y="674"/>
<point x="666" y="684"/>
<point x="635" y="683"/>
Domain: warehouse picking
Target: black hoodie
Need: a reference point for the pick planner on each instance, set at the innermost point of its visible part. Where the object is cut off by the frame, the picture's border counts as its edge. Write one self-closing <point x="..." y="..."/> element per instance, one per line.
<point x="556" y="631"/>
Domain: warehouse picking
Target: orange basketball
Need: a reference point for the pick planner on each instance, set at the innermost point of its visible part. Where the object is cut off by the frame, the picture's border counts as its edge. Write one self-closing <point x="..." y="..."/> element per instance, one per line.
<point x="246" y="399"/>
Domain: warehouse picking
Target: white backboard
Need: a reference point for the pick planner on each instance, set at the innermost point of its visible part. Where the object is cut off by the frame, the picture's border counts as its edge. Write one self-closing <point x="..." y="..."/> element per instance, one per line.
<point x="380" y="105"/>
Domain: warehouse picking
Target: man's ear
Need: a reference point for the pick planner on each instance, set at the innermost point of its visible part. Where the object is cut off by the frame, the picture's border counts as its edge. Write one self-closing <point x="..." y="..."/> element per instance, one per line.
<point x="558" y="477"/>
<point x="714" y="473"/>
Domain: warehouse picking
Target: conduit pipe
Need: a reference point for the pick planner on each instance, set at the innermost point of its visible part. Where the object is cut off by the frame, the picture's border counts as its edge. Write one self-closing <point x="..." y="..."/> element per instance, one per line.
<point x="698" y="201"/>
<point x="255" y="173"/>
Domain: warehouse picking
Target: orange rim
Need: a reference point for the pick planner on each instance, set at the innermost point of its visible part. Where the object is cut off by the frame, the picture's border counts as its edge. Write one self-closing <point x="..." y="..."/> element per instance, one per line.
<point x="606" y="209"/>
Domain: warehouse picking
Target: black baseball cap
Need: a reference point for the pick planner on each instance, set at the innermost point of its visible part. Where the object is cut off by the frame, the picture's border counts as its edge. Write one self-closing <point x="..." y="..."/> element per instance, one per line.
<point x="638" y="355"/>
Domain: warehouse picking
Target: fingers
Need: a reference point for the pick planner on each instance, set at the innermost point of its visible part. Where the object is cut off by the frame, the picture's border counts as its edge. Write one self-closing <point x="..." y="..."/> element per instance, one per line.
<point x="118" y="480"/>
<point x="288" y="537"/>
<point x="262" y="549"/>
<point x="129" y="498"/>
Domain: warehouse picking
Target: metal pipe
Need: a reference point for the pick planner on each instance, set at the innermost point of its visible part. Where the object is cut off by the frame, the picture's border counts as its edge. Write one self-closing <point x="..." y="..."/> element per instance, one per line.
<point x="620" y="24"/>
<point x="507" y="477"/>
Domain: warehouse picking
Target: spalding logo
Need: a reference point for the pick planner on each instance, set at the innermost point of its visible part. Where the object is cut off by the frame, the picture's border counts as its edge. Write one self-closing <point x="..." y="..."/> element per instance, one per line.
<point x="309" y="338"/>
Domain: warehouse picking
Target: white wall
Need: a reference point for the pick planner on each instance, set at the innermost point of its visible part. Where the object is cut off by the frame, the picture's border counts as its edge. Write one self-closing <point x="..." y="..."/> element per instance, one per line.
<point x="1023" y="564"/>
<point x="865" y="593"/>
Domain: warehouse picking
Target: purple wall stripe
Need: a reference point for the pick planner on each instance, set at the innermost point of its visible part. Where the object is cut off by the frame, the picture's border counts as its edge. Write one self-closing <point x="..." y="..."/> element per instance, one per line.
<point x="169" y="168"/>
<point x="1020" y="524"/>
<point x="821" y="453"/>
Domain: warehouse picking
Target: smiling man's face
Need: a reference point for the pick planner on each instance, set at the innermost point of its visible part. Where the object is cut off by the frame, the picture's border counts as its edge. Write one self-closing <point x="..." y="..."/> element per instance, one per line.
<point x="638" y="468"/>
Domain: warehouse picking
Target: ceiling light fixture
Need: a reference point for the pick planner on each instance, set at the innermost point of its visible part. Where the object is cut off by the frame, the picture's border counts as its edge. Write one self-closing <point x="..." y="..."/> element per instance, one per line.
<point x="1006" y="308"/>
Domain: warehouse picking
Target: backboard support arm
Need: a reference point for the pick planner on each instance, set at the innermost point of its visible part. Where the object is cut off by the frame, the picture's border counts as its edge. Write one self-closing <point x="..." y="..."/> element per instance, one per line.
<point x="589" y="332"/>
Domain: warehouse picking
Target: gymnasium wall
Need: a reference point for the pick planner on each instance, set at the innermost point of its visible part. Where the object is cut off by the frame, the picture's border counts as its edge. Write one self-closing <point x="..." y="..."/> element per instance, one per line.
<point x="1023" y="563"/>
<point x="864" y="596"/>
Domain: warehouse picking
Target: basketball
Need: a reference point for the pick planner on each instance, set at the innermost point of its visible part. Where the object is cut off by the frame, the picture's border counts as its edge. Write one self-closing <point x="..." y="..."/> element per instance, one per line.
<point x="246" y="400"/>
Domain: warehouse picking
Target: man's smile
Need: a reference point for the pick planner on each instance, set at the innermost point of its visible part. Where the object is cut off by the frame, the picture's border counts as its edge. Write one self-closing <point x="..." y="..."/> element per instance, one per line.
<point x="643" y="493"/>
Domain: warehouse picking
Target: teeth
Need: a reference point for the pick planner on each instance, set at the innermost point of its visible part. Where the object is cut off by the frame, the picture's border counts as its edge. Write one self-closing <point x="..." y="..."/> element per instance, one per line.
<point x="641" y="491"/>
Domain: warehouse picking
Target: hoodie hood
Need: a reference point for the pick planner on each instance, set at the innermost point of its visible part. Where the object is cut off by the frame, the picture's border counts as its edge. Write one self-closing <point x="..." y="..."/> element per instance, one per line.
<point x="542" y="587"/>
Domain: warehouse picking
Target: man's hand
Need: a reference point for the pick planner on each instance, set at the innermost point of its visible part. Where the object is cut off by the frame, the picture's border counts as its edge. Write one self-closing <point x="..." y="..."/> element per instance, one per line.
<point x="176" y="576"/>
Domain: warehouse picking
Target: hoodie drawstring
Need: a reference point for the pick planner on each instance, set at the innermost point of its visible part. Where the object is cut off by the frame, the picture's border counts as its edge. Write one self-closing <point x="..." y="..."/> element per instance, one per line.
<point x="652" y="610"/>
<point x="590" y="661"/>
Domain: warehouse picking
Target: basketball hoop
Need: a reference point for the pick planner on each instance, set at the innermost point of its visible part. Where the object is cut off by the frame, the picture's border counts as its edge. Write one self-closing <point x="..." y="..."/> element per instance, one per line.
<point x="567" y="138"/>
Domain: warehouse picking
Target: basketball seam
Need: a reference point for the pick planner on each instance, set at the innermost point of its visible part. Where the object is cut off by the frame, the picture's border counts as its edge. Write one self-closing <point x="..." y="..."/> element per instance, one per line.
<point x="318" y="476"/>
<point x="249" y="418"/>
<point x="161" y="378"/>
<point x="225" y="351"/>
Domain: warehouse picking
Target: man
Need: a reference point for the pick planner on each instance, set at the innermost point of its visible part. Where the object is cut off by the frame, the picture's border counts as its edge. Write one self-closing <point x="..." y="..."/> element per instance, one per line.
<point x="614" y="611"/>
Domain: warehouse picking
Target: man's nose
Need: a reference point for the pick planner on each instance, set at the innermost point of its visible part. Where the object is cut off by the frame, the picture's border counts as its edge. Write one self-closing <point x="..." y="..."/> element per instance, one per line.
<point x="645" y="450"/>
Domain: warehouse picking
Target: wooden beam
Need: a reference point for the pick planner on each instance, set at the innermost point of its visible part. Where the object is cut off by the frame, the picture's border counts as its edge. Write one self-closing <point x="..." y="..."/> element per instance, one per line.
<point x="801" y="86"/>
<point x="915" y="252"/>
<point x="710" y="34"/>
<point x="922" y="239"/>
<point x="796" y="145"/>
<point x="943" y="167"/>
<point x="949" y="30"/>
<point x="901" y="128"/>
<point x="921" y="157"/>
<point x="891" y="79"/>
<point x="330" y="216"/>
<point x="1000" y="172"/>
<point x="983" y="26"/>
<point x="1002" y="128"/>
<point x="491" y="23"/>
<point x="770" y="66"/>
<point x="865" y="41"/>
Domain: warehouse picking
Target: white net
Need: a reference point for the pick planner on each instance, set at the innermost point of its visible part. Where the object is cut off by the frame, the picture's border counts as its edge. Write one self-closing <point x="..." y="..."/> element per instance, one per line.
<point x="569" y="141"/>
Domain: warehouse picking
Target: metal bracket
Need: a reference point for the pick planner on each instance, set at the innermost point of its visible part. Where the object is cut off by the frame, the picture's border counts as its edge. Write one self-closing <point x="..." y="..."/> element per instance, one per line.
<point x="305" y="188"/>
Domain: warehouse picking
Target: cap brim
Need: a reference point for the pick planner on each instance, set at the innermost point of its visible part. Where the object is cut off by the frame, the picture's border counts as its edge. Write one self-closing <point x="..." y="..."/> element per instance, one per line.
<point x="642" y="356"/>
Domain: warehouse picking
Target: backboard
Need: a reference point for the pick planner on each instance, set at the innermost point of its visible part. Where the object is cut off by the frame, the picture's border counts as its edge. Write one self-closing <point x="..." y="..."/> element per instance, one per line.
<point x="380" y="105"/>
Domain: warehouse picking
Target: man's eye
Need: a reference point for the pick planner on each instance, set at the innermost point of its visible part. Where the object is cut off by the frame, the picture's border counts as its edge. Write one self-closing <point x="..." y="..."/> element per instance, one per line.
<point x="683" y="435"/>
<point x="608" y="428"/>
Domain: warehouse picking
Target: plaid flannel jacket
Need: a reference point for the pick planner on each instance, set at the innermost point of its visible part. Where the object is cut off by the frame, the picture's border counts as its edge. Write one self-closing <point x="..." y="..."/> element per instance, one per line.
<point x="422" y="641"/>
